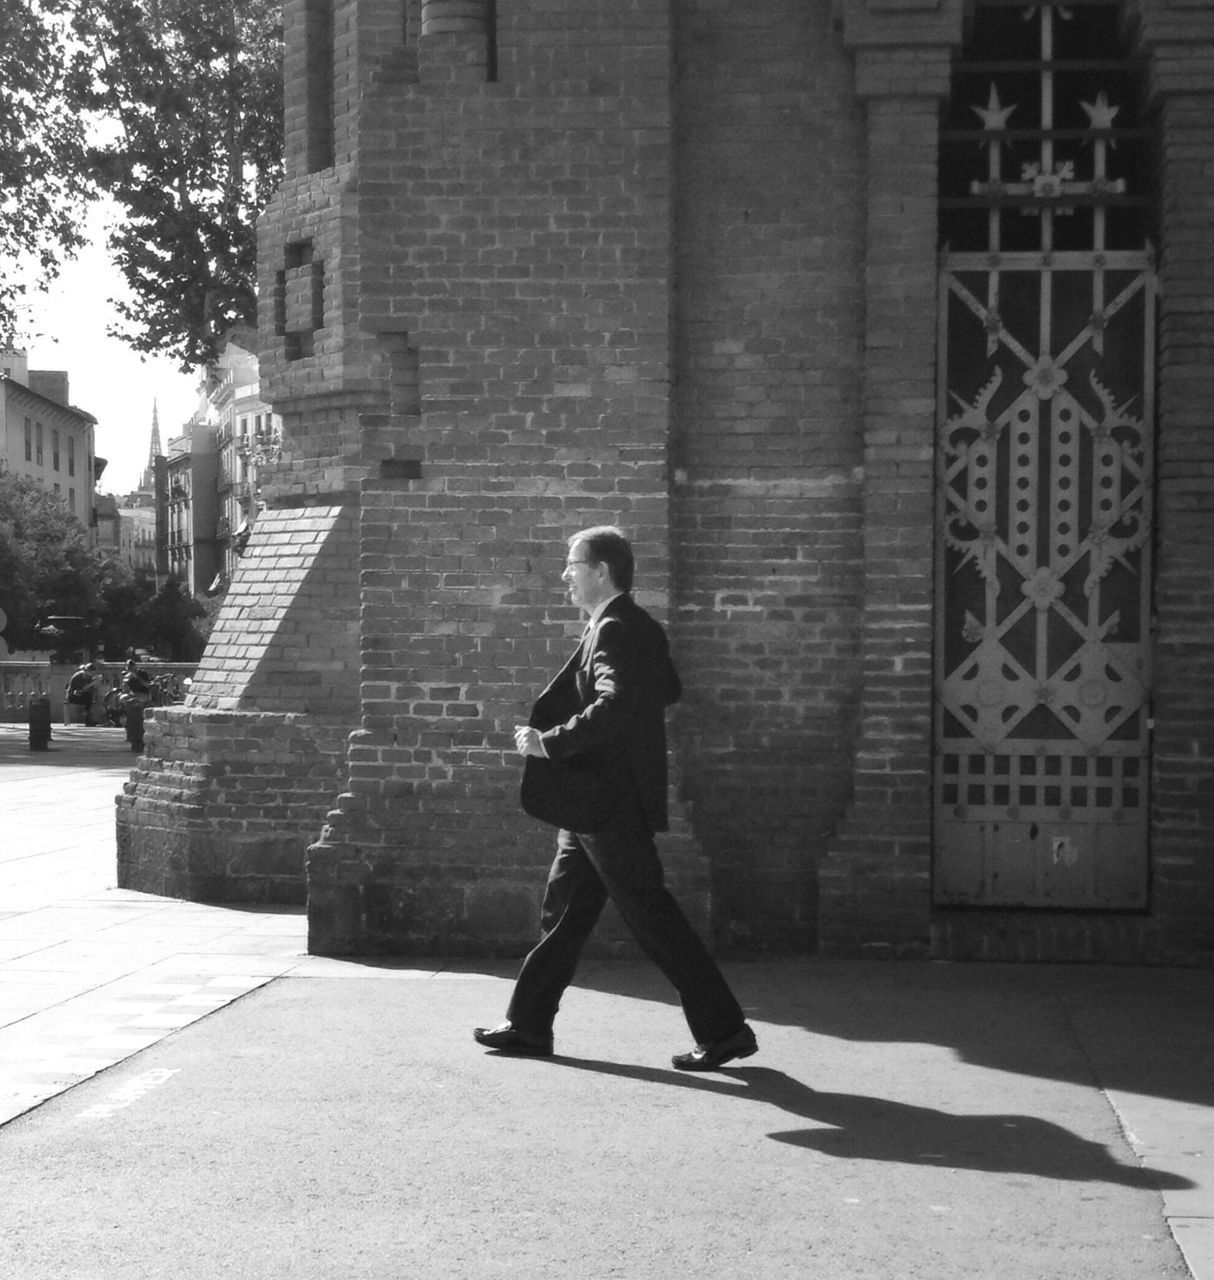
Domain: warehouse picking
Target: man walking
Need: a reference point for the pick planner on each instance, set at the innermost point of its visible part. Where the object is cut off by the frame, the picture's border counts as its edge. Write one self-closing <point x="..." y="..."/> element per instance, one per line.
<point x="595" y="768"/>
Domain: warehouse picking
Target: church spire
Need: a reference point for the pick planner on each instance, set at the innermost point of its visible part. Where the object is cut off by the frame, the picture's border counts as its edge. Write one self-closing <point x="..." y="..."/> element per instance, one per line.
<point x="148" y="483"/>
<point x="156" y="450"/>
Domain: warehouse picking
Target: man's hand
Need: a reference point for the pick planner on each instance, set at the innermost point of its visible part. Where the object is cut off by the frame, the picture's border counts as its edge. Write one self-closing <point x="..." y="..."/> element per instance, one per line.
<point x="527" y="741"/>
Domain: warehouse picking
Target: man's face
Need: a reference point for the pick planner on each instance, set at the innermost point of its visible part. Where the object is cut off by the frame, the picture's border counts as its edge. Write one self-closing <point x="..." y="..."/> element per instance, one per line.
<point x="589" y="584"/>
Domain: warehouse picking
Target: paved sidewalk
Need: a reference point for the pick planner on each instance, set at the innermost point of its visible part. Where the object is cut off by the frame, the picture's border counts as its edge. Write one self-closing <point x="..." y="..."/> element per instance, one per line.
<point x="184" y="1092"/>
<point x="90" y="973"/>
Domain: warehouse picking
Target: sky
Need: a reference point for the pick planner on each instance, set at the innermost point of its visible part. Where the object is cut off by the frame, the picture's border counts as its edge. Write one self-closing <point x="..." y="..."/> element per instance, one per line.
<point x="117" y="385"/>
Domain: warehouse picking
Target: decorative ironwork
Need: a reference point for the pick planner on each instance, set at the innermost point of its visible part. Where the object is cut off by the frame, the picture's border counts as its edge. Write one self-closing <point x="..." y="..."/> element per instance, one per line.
<point x="1044" y="485"/>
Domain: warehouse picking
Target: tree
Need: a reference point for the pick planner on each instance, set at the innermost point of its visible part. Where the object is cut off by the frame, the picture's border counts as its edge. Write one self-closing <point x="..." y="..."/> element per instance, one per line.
<point x="47" y="568"/>
<point x="123" y="596"/>
<point x="44" y="167"/>
<point x="182" y="104"/>
<point x="61" y="594"/>
<point x="169" y="624"/>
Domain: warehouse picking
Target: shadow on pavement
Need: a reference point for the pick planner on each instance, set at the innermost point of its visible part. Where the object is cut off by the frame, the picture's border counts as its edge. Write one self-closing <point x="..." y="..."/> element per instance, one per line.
<point x="72" y="747"/>
<point x="865" y="1128"/>
<point x="1137" y="1030"/>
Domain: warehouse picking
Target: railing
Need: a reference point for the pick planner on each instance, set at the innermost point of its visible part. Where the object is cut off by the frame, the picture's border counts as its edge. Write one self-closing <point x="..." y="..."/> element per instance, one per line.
<point x="21" y="681"/>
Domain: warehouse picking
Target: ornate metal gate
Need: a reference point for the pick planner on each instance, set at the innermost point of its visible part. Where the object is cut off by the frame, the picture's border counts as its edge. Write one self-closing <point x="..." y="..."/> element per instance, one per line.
<point x="1044" y="474"/>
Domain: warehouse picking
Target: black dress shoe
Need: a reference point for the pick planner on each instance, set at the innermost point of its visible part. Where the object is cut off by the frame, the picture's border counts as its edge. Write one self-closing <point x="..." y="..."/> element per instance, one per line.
<point x="716" y="1053"/>
<point x="508" y="1039"/>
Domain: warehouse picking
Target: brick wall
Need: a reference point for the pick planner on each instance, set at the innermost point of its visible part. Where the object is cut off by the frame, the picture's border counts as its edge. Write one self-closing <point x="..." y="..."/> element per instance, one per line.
<point x="233" y="787"/>
<point x="513" y="268"/>
<point x="766" y="449"/>
<point x="222" y="805"/>
<point x="875" y="883"/>
<point x="672" y="266"/>
<point x="289" y="620"/>
<point x="1180" y="45"/>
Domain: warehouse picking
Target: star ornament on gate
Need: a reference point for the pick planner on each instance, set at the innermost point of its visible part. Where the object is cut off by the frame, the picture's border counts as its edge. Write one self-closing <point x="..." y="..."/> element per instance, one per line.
<point x="1101" y="113"/>
<point x="994" y="115"/>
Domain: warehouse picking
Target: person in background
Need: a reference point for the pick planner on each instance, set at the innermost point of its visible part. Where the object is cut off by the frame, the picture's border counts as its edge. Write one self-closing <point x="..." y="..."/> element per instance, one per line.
<point x="82" y="690"/>
<point x="136" y="693"/>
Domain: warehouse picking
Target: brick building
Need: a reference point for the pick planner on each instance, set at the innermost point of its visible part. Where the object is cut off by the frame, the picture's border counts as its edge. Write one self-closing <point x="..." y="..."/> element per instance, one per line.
<point x="885" y="329"/>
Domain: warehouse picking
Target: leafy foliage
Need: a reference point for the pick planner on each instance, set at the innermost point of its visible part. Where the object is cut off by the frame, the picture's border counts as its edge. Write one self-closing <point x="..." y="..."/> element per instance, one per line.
<point x="48" y="571"/>
<point x="123" y="594"/>
<point x="46" y="565"/>
<point x="169" y="622"/>
<point x="183" y="103"/>
<point x="44" y="168"/>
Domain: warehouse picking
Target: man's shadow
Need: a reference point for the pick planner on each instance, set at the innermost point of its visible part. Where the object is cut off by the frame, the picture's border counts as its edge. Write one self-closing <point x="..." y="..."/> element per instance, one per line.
<point x="864" y="1128"/>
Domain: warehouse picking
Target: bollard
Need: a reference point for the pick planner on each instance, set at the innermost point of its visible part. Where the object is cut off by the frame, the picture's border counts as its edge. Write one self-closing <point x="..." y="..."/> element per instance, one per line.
<point x="134" y="724"/>
<point x="40" y="723"/>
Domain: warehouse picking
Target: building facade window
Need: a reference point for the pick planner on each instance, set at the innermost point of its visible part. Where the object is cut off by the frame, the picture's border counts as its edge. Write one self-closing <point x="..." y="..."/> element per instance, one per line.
<point x="55" y="450"/>
<point x="29" y="440"/>
<point x="71" y="455"/>
<point x="38" y="444"/>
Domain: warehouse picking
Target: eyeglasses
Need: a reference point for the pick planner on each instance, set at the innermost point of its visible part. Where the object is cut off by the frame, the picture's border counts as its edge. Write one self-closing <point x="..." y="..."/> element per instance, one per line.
<point x="570" y="563"/>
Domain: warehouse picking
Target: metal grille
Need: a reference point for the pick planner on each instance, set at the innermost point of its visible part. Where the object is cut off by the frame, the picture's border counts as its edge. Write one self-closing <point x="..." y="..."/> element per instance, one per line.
<point x="1044" y="472"/>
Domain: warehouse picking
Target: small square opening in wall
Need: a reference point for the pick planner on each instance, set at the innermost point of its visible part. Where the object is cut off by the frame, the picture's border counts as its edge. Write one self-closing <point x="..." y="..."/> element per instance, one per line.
<point x="297" y="254"/>
<point x="299" y="298"/>
<point x="299" y="346"/>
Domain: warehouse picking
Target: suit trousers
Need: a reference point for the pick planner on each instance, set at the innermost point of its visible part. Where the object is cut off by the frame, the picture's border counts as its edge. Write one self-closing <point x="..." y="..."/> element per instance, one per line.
<point x="621" y="861"/>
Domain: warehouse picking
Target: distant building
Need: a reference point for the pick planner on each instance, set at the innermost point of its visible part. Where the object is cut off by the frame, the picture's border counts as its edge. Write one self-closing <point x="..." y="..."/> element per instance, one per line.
<point x="145" y="495"/>
<point x="248" y="436"/>
<point x="144" y="539"/>
<point x="193" y="524"/>
<point x="43" y="436"/>
<point x="108" y="525"/>
<point x="137" y="543"/>
<point x="192" y="469"/>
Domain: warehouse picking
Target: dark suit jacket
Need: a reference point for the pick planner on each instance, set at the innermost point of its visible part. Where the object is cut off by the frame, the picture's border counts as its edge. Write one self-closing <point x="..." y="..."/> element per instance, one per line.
<point x="603" y="723"/>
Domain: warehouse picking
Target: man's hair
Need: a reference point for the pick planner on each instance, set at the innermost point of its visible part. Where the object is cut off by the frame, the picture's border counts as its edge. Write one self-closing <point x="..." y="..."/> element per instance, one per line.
<point x="605" y="544"/>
